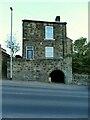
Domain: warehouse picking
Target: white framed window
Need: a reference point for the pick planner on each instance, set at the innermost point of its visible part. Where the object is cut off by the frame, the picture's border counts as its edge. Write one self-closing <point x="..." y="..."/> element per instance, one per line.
<point x="49" y="52"/>
<point x="49" y="32"/>
<point x="29" y="52"/>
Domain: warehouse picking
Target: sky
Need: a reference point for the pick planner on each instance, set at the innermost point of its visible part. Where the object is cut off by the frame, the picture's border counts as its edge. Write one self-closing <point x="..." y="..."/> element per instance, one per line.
<point x="74" y="13"/>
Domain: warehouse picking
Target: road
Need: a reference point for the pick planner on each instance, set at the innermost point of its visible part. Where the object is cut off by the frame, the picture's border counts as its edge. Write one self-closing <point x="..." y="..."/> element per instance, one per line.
<point x="43" y="100"/>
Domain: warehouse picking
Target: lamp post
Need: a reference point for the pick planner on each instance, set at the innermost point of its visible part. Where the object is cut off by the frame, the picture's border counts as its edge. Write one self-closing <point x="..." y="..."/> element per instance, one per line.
<point x="11" y="46"/>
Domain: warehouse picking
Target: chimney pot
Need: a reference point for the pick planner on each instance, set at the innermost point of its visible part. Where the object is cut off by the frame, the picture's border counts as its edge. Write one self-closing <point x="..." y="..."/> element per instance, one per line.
<point x="57" y="18"/>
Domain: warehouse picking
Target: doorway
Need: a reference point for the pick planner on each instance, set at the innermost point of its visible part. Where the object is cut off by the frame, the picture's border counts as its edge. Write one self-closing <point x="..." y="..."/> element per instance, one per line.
<point x="57" y="76"/>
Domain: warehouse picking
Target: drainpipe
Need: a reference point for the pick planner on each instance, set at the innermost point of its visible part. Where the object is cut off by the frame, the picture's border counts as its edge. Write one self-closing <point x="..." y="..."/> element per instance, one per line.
<point x="63" y="42"/>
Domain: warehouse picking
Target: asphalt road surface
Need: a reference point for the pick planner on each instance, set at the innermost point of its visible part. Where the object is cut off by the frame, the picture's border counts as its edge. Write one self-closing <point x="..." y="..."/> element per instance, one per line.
<point x="43" y="100"/>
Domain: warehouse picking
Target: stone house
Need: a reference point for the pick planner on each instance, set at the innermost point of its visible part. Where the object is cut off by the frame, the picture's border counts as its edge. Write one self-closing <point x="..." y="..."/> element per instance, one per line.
<point x="46" y="52"/>
<point x="3" y="63"/>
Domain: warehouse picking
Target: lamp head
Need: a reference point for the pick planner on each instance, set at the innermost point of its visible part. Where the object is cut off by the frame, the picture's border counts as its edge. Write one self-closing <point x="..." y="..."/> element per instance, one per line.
<point x="11" y="8"/>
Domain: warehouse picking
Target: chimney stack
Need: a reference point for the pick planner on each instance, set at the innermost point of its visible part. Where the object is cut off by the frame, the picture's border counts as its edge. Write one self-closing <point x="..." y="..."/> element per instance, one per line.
<point x="57" y="19"/>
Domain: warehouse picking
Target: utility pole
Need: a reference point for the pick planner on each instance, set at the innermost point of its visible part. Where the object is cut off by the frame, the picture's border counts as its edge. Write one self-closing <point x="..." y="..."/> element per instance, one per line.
<point x="11" y="46"/>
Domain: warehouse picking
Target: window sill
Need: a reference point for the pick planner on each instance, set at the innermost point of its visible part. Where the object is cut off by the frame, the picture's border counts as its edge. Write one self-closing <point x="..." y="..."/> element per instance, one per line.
<point x="49" y="39"/>
<point x="29" y="59"/>
<point x="49" y="58"/>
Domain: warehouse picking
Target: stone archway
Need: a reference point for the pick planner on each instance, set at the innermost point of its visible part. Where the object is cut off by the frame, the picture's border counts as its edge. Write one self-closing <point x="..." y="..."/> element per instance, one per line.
<point x="57" y="76"/>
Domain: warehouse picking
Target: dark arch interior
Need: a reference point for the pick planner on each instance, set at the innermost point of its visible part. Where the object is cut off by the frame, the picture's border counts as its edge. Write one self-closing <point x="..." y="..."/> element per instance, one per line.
<point x="57" y="76"/>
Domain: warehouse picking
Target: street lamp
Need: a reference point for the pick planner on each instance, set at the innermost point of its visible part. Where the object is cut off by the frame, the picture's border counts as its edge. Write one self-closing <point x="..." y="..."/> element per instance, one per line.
<point x="11" y="46"/>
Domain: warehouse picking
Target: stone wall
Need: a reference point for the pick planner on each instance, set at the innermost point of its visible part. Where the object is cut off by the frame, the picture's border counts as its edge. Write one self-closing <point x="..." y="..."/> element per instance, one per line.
<point x="81" y="79"/>
<point x="39" y="70"/>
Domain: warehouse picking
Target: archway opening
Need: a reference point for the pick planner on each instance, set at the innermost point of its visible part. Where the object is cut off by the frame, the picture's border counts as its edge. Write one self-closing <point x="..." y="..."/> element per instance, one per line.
<point x="57" y="76"/>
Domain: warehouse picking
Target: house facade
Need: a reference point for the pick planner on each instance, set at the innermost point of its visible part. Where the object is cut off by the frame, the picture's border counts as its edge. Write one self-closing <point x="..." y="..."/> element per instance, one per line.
<point x="46" y="52"/>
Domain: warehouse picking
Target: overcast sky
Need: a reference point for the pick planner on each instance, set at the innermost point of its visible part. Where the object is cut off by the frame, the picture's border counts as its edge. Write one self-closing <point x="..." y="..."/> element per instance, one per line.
<point x="74" y="13"/>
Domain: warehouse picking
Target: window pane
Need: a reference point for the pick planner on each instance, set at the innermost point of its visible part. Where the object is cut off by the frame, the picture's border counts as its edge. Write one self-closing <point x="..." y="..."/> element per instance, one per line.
<point x="48" y="32"/>
<point x="29" y="52"/>
<point x="49" y="52"/>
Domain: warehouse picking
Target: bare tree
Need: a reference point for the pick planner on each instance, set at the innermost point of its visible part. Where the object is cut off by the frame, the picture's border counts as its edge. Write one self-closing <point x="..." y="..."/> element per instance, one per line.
<point x="15" y="45"/>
